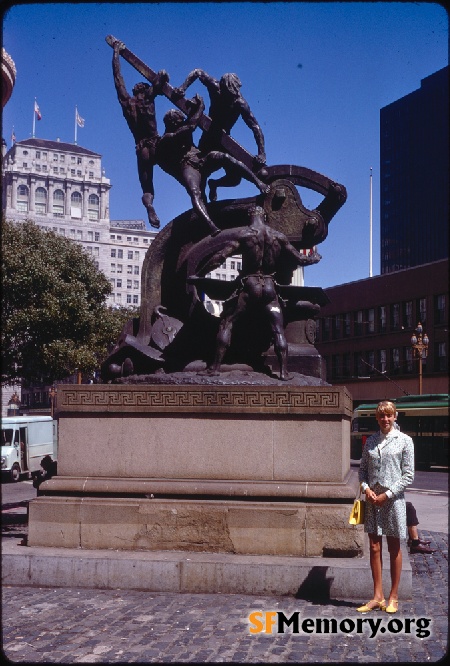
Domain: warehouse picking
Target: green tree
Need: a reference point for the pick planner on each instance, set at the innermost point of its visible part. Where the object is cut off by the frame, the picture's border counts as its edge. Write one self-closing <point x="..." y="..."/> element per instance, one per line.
<point x="54" y="314"/>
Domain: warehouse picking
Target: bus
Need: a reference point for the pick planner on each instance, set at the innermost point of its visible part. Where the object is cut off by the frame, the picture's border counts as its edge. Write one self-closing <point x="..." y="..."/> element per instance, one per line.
<point x="422" y="417"/>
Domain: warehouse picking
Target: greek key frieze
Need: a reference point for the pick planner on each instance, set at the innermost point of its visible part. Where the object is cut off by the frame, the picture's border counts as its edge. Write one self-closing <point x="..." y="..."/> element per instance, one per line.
<point x="247" y="399"/>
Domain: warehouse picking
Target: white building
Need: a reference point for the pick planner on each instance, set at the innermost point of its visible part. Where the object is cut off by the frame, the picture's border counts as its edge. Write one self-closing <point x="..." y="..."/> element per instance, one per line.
<point x="62" y="187"/>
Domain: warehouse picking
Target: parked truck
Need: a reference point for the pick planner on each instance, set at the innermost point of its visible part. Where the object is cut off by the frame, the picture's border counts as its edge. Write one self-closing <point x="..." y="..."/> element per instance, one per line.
<point x="25" y="441"/>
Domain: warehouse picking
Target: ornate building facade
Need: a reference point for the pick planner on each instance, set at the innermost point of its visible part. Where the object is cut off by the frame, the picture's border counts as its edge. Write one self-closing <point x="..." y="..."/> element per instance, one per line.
<point x="62" y="187"/>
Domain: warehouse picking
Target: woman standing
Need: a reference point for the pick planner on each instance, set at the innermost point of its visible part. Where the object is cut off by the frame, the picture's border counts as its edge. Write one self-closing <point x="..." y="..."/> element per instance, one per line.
<point x="387" y="468"/>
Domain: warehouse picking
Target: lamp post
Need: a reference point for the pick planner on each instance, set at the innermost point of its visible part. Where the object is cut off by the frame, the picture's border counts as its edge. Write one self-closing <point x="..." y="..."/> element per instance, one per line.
<point x="419" y="345"/>
<point x="52" y="396"/>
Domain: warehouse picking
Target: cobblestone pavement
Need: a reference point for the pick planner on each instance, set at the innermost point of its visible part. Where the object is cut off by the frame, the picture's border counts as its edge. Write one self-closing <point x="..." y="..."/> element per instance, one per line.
<point x="120" y="626"/>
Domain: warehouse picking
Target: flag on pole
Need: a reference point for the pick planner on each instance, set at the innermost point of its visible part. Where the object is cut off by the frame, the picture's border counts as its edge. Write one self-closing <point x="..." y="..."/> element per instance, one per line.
<point x="80" y="120"/>
<point x="37" y="110"/>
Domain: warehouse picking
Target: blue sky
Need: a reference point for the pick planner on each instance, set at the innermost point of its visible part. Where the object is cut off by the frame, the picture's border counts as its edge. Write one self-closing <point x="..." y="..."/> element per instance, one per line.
<point x="315" y="75"/>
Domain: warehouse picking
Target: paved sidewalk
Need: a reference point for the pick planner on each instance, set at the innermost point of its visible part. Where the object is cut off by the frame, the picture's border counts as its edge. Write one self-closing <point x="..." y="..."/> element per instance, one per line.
<point x="60" y="625"/>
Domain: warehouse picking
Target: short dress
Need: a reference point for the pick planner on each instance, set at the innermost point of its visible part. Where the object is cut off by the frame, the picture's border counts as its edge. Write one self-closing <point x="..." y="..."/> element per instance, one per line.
<point x="387" y="463"/>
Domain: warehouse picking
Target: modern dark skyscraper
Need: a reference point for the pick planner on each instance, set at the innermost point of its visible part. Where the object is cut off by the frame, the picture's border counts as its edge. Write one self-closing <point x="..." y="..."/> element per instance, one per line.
<point x="414" y="176"/>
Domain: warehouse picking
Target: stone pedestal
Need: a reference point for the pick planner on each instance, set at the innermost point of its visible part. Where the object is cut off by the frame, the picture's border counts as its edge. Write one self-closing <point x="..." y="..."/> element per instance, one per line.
<point x="225" y="469"/>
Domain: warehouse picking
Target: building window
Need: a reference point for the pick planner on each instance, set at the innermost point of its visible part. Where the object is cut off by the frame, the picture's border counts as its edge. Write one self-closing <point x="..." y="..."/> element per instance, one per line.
<point x="346" y="364"/>
<point x="128" y="298"/>
<point x="128" y="239"/>
<point x="396" y="360"/>
<point x="72" y="233"/>
<point x="407" y="314"/>
<point x="79" y="235"/>
<point x="136" y="270"/>
<point x="136" y="255"/>
<point x="359" y="323"/>
<point x="55" y="157"/>
<point x="336" y="320"/>
<point x="119" y="283"/>
<point x="119" y="253"/>
<point x="129" y="269"/>
<point x="371" y="321"/>
<point x="409" y="359"/>
<point x="130" y="254"/>
<point x="58" y="203"/>
<point x="79" y="160"/>
<point x="136" y="284"/>
<point x="440" y="309"/>
<point x="40" y="201"/>
<point x="382" y="319"/>
<point x="38" y="154"/>
<point x="129" y="284"/>
<point x="113" y="268"/>
<point x="119" y="268"/>
<point x="347" y="324"/>
<point x="97" y="236"/>
<point x="382" y="360"/>
<point x="22" y="198"/>
<point x="441" y="364"/>
<point x="395" y="316"/>
<point x="113" y="252"/>
<point x="135" y="240"/>
<point x="422" y="309"/>
<point x="93" y="207"/>
<point x="75" y="205"/>
<point x="135" y="299"/>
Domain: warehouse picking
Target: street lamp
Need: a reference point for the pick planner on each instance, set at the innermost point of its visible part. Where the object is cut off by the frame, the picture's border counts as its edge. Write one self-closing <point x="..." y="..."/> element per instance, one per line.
<point x="419" y="345"/>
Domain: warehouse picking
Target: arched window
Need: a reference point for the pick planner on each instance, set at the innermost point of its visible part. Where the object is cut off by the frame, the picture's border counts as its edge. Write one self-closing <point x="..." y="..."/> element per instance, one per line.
<point x="40" y="200"/>
<point x="22" y="199"/>
<point x="76" y="205"/>
<point x="58" y="203"/>
<point x="93" y="207"/>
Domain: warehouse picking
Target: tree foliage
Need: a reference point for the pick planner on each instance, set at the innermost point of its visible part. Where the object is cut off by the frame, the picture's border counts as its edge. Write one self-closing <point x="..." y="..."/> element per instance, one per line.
<point x="54" y="314"/>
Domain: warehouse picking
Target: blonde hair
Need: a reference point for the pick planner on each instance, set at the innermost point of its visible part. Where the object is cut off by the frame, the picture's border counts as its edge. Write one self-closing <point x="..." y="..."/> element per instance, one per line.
<point x="386" y="407"/>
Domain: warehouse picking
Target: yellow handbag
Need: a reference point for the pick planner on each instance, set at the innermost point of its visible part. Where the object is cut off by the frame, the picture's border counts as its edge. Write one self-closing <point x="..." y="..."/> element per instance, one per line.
<point x="357" y="512"/>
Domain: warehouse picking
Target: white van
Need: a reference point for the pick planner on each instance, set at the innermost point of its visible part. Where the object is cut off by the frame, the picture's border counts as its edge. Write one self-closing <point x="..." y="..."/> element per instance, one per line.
<point x="25" y="441"/>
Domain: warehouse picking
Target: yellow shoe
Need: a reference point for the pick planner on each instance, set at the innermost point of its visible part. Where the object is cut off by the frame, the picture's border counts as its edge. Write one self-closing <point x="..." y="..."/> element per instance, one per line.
<point x="372" y="605"/>
<point x="392" y="606"/>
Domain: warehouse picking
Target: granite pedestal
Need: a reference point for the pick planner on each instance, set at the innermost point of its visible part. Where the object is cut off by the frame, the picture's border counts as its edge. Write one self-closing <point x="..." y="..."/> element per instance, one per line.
<point x="228" y="469"/>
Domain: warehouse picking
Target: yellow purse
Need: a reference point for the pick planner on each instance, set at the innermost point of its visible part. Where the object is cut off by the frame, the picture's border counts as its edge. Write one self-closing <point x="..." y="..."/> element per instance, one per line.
<point x="357" y="512"/>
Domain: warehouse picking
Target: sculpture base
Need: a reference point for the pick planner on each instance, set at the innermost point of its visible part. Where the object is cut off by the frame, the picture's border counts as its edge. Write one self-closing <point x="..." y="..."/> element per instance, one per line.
<point x="197" y="573"/>
<point x="212" y="468"/>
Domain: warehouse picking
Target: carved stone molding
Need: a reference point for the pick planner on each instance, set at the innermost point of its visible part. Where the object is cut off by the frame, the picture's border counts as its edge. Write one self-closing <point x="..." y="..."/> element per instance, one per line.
<point x="214" y="399"/>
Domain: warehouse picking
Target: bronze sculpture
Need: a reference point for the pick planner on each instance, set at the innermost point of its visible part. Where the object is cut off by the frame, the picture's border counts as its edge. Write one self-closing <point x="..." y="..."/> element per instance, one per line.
<point x="261" y="305"/>
<point x="263" y="250"/>
<point x="227" y="106"/>
<point x="177" y="155"/>
<point x="139" y="112"/>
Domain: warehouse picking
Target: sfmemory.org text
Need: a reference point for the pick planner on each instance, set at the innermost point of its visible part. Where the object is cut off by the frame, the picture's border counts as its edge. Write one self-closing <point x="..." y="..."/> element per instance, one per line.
<point x="270" y="622"/>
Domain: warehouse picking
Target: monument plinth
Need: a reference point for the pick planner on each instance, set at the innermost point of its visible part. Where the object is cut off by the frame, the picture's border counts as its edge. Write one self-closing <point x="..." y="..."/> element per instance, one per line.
<point x="211" y="468"/>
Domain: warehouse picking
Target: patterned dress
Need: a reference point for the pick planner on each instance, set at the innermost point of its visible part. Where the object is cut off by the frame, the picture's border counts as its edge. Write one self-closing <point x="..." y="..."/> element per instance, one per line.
<point x="387" y="463"/>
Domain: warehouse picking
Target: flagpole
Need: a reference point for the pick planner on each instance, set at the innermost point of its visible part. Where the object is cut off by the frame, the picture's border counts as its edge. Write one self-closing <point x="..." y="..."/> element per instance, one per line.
<point x="370" y="227"/>
<point x="34" y="118"/>
<point x="75" y="125"/>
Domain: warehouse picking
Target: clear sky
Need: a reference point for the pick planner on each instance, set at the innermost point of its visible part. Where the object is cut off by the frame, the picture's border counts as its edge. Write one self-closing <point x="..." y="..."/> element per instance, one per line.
<point x="315" y="75"/>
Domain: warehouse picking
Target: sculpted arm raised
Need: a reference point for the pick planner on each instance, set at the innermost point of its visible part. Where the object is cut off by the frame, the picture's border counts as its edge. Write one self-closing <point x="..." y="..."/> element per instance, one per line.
<point x="207" y="80"/>
<point x="118" y="78"/>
